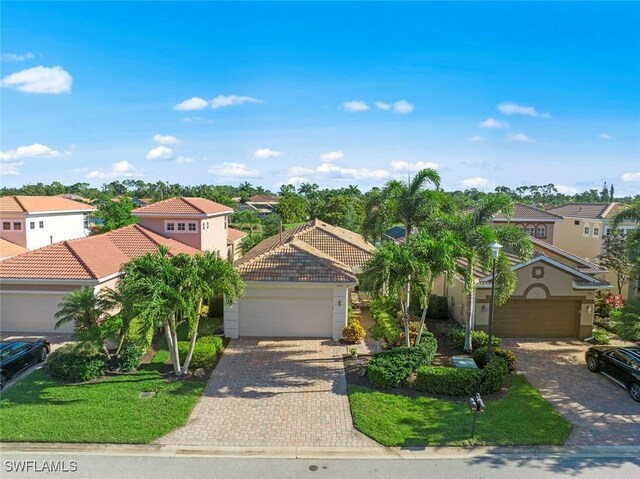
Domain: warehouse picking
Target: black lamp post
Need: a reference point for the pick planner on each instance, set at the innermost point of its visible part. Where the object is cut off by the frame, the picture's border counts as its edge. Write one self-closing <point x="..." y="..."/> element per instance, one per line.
<point x="495" y="250"/>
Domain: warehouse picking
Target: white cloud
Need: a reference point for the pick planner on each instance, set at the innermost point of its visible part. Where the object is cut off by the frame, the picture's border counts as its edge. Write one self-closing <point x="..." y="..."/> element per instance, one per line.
<point x="332" y="155"/>
<point x="515" y="109"/>
<point x="10" y="168"/>
<point x="166" y="139"/>
<point x="160" y="153"/>
<point x="605" y="136"/>
<point x="492" y="123"/>
<point x="380" y="105"/>
<point x="356" y="105"/>
<point x="567" y="190"/>
<point x="39" y="79"/>
<point x="121" y="169"/>
<point x="29" y="151"/>
<point x="298" y="171"/>
<point x="183" y="159"/>
<point x="352" y="173"/>
<point x="403" y="106"/>
<point x="520" y="137"/>
<point x="222" y="101"/>
<point x="264" y="153"/>
<point x="233" y="170"/>
<point x="297" y="180"/>
<point x="631" y="177"/>
<point x="476" y="138"/>
<point x="194" y="103"/>
<point x="15" y="57"/>
<point x="406" y="166"/>
<point x="475" y="182"/>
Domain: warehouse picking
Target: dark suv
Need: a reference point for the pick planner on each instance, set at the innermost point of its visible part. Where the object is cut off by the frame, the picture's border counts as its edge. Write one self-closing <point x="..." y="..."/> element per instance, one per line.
<point x="16" y="356"/>
<point x="620" y="364"/>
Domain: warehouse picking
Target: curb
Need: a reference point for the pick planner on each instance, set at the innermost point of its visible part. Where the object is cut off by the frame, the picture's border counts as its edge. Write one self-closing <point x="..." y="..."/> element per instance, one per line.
<point x="318" y="452"/>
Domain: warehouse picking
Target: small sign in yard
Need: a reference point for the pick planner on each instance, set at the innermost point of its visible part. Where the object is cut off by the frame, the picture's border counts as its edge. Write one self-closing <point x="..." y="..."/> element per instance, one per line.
<point x="147" y="395"/>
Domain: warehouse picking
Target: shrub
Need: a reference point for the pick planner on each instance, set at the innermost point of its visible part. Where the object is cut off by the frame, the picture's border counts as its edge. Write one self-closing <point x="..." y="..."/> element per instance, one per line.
<point x="130" y="356"/>
<point x="627" y="321"/>
<point x="392" y="368"/>
<point x="600" y="336"/>
<point x="478" y="338"/>
<point x="480" y="357"/>
<point x="462" y="382"/>
<point x="383" y="314"/>
<point x="77" y="363"/>
<point x="414" y="327"/>
<point x="438" y="307"/>
<point x="353" y="332"/>
<point x="205" y="352"/>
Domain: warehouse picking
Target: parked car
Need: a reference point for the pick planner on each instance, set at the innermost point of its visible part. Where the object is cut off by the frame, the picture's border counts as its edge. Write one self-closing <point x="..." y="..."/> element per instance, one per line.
<point x="620" y="364"/>
<point x="15" y="356"/>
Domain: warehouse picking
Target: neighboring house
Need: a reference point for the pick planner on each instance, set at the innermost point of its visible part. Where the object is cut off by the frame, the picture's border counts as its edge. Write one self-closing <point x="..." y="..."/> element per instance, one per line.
<point x="74" y="197"/>
<point x="198" y="222"/>
<point x="554" y="295"/>
<point x="35" y="282"/>
<point x="396" y="234"/>
<point x="9" y="249"/>
<point x="142" y="201"/>
<point x="234" y="243"/>
<point x="583" y="229"/>
<point x="261" y="204"/>
<point x="534" y="221"/>
<point x="297" y="283"/>
<point x="36" y="221"/>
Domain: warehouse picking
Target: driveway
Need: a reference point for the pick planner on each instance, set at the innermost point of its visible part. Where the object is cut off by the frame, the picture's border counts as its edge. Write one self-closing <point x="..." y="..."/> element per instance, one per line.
<point x="274" y="393"/>
<point x="602" y="412"/>
<point x="56" y="340"/>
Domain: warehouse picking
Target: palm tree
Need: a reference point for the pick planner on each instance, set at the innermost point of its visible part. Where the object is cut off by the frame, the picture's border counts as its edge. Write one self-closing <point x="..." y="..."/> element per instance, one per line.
<point x="475" y="232"/>
<point x="88" y="312"/>
<point x="307" y="189"/>
<point x="631" y="214"/>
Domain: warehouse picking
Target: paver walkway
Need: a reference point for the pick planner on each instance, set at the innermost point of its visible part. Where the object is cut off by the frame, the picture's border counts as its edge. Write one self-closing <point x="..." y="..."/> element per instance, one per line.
<point x="601" y="411"/>
<point x="274" y="393"/>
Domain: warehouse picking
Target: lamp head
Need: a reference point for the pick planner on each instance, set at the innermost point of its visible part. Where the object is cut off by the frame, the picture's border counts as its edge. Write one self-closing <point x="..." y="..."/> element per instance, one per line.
<point x="495" y="249"/>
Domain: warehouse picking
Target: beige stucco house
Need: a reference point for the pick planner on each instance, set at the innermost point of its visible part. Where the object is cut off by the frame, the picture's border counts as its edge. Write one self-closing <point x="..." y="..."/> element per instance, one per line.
<point x="297" y="283"/>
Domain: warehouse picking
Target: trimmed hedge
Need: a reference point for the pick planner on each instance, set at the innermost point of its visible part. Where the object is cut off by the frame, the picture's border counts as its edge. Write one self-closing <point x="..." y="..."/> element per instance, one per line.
<point x="438" y="307"/>
<point x="205" y="353"/>
<point x="76" y="364"/>
<point x="478" y="338"/>
<point x="390" y="369"/>
<point x="480" y="357"/>
<point x="462" y="382"/>
<point x="130" y="356"/>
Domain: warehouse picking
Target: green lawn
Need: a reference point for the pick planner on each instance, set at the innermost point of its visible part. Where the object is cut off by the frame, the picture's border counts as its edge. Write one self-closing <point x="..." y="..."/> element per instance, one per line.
<point x="521" y="417"/>
<point x="41" y="409"/>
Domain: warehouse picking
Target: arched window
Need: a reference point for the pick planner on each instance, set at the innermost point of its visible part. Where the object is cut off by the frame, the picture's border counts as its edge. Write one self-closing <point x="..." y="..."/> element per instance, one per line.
<point x="541" y="231"/>
<point x="530" y="230"/>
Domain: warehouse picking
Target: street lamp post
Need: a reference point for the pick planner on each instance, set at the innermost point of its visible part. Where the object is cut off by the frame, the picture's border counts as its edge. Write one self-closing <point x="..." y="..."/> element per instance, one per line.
<point x="495" y="250"/>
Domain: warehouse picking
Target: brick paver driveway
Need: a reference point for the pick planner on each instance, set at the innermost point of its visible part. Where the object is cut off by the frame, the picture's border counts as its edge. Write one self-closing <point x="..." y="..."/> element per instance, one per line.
<point x="602" y="412"/>
<point x="274" y="393"/>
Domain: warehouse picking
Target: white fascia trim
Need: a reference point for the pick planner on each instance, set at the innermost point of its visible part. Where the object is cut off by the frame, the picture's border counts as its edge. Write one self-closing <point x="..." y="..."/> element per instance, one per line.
<point x="81" y="282"/>
<point x="171" y="216"/>
<point x="293" y="284"/>
<point x="610" y="286"/>
<point x="546" y="259"/>
<point x="108" y="277"/>
<point x="60" y="212"/>
<point x="528" y="220"/>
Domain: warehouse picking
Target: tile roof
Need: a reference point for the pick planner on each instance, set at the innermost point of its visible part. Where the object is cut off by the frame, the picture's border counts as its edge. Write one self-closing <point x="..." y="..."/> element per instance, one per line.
<point x="8" y="249"/>
<point x="37" y="204"/>
<point x="89" y="258"/>
<point x="326" y="253"/>
<point x="583" y="265"/>
<point x="595" y="284"/>
<point x="234" y="235"/>
<point x="587" y="210"/>
<point x="526" y="212"/>
<point x="262" y="199"/>
<point x="183" y="206"/>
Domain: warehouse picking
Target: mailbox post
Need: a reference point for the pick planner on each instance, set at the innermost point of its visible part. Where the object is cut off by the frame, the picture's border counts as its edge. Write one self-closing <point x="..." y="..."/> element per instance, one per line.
<point x="476" y="406"/>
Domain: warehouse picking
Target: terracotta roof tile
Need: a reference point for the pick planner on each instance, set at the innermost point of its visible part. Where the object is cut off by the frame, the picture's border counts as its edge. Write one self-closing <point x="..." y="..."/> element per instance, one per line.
<point x="234" y="235"/>
<point x="8" y="249"/>
<point x="526" y="212"/>
<point x="587" y="210"/>
<point x="34" y="204"/>
<point x="263" y="199"/>
<point x="89" y="258"/>
<point x="183" y="206"/>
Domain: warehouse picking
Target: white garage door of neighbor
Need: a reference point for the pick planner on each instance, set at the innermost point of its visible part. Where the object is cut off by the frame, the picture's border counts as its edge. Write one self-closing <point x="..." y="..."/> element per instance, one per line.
<point x="286" y="313"/>
<point x="30" y="313"/>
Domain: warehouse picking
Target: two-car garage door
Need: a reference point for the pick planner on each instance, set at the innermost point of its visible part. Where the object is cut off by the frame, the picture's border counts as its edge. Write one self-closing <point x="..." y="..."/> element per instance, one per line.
<point x="28" y="312"/>
<point x="537" y="318"/>
<point x="286" y="312"/>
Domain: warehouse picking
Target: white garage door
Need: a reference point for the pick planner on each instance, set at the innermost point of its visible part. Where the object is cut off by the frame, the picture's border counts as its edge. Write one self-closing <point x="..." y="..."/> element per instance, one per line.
<point x="30" y="312"/>
<point x="286" y="312"/>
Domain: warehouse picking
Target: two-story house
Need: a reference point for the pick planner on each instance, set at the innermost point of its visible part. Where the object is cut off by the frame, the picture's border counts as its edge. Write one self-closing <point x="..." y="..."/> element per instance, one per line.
<point x="36" y="221"/>
<point x="535" y="222"/>
<point x="35" y="282"/>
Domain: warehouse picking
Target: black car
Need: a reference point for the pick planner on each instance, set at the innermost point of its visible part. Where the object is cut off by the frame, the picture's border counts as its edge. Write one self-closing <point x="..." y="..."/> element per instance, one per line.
<point x="18" y="355"/>
<point x="620" y="364"/>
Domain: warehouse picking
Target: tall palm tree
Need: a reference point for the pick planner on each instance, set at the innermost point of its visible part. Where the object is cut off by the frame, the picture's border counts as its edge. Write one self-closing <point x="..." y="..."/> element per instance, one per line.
<point x="475" y="231"/>
<point x="631" y="214"/>
<point x="87" y="310"/>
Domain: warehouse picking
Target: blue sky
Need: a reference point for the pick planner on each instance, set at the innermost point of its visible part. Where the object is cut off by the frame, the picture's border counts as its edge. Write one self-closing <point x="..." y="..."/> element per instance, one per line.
<point x="490" y="94"/>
